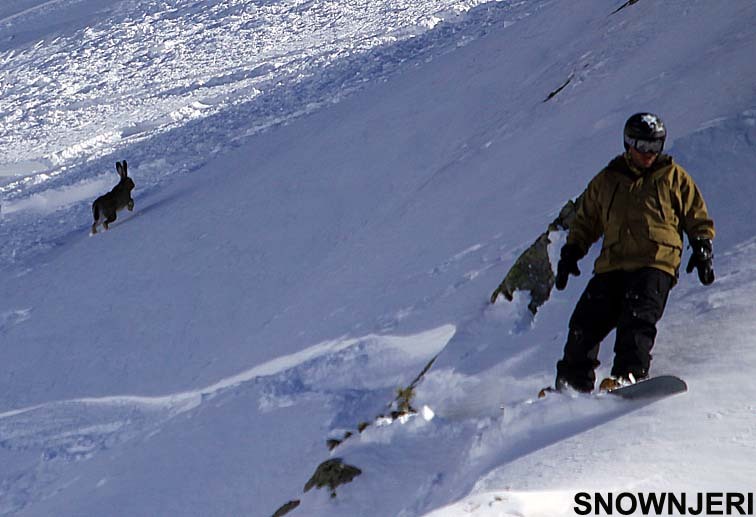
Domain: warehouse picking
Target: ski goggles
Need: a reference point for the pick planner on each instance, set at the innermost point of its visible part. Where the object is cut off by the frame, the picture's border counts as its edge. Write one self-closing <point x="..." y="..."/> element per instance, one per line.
<point x="645" y="146"/>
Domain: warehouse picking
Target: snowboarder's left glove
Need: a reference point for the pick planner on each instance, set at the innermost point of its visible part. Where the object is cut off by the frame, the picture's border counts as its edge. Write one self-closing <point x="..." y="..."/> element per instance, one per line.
<point x="702" y="260"/>
<point x="567" y="266"/>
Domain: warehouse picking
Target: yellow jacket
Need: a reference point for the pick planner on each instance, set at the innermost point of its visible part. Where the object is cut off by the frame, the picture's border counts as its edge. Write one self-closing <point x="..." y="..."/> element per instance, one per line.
<point x="641" y="215"/>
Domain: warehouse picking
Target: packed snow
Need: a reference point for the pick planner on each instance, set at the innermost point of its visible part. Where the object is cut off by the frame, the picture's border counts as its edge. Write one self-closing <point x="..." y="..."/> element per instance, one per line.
<point x="327" y="193"/>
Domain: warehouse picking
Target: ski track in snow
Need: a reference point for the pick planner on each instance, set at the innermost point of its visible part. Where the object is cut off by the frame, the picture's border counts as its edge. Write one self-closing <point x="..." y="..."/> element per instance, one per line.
<point x="525" y="431"/>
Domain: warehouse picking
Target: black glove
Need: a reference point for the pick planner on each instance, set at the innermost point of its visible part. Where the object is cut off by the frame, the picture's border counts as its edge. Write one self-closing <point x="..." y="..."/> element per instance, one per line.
<point x="567" y="266"/>
<point x="702" y="260"/>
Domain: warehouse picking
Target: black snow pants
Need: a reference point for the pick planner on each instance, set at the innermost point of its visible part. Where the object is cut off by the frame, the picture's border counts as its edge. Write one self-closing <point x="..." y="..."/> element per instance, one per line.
<point x="630" y="301"/>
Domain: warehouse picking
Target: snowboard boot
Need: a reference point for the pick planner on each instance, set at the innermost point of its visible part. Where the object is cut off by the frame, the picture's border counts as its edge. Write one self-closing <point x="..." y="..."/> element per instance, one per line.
<point x="560" y="385"/>
<point x="614" y="382"/>
<point x="545" y="391"/>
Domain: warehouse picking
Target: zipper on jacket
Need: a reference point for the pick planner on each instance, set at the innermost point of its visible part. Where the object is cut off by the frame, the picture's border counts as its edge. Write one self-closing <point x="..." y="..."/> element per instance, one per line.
<point x="611" y="201"/>
<point x="659" y="202"/>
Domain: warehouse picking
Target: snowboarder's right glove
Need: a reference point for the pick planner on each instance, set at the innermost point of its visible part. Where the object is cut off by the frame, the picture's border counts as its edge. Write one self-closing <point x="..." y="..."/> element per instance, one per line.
<point x="702" y="260"/>
<point x="567" y="266"/>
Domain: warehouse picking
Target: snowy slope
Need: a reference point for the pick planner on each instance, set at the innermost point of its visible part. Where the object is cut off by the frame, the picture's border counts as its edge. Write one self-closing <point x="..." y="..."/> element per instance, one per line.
<point x="362" y="174"/>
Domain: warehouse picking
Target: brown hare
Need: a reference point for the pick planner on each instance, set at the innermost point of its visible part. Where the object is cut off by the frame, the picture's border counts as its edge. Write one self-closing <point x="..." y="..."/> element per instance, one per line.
<point x="105" y="207"/>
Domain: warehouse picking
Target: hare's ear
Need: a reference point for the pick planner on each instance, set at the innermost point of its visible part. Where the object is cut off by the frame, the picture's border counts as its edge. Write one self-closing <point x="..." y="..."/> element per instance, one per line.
<point x="121" y="170"/>
<point x="125" y="173"/>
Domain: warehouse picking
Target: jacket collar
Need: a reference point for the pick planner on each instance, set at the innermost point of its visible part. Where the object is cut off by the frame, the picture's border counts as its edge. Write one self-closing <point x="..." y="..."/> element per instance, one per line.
<point x="624" y="165"/>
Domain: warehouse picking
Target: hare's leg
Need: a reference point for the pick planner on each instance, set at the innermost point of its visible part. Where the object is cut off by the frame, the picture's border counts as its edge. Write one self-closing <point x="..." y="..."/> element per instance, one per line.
<point x="130" y="206"/>
<point x="110" y="219"/>
<point x="95" y="215"/>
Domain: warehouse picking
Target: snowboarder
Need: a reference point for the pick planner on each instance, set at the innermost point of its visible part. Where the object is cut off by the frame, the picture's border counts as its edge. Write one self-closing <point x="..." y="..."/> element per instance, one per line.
<point x="640" y="204"/>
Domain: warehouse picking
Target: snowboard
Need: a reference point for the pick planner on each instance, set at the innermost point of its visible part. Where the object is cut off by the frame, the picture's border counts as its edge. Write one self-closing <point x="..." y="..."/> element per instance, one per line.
<point x="653" y="387"/>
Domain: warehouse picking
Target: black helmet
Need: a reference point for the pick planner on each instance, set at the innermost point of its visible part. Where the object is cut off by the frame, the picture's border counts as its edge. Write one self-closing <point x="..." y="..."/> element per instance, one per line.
<point x="645" y="132"/>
